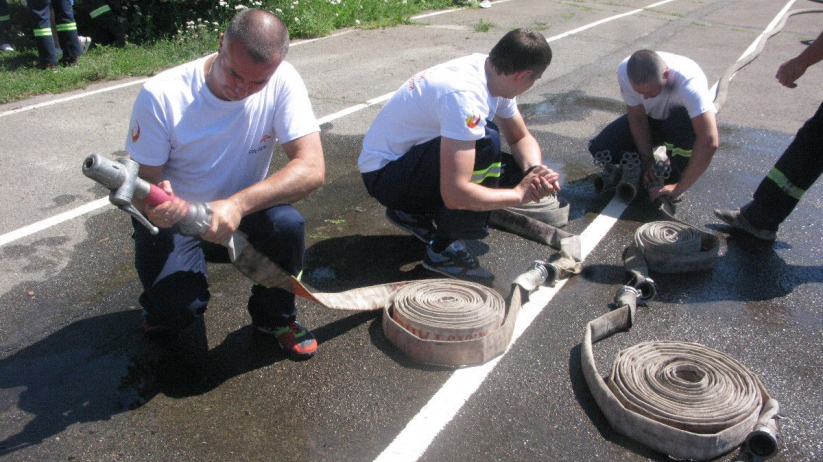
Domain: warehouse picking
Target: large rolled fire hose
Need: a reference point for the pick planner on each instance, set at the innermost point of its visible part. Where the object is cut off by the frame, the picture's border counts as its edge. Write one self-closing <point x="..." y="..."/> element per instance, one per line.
<point x="682" y="399"/>
<point x="434" y="321"/>
<point x="428" y="322"/>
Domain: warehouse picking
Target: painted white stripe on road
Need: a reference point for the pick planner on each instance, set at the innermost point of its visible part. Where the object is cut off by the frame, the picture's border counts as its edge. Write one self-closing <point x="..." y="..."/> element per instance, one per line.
<point x="52" y="221"/>
<point x="768" y="30"/>
<point x="413" y="441"/>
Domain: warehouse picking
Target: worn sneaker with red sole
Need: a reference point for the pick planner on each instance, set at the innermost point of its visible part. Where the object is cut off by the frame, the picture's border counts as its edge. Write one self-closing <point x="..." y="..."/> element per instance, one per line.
<point x="297" y="342"/>
<point x="151" y="328"/>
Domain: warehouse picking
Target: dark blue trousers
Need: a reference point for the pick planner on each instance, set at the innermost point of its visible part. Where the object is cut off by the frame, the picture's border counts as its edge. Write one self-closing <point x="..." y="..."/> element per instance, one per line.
<point x="39" y="11"/>
<point x="172" y="268"/>
<point x="676" y="132"/>
<point x="797" y="169"/>
<point x="412" y="184"/>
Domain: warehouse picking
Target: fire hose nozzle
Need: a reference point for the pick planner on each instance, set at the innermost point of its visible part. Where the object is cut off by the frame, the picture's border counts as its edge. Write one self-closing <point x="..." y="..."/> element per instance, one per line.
<point x="611" y="172"/>
<point x="121" y="179"/>
<point x="630" y="180"/>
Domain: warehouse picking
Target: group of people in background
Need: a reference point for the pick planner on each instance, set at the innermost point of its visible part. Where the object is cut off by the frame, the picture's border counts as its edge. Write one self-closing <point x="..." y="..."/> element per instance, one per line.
<point x="205" y="131"/>
<point x="50" y="17"/>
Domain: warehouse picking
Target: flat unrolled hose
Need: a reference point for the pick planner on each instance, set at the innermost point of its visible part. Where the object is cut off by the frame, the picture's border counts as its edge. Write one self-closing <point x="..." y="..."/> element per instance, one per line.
<point x="682" y="399"/>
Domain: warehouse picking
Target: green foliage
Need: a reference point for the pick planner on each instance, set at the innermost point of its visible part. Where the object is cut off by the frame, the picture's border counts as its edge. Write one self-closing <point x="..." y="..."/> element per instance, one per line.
<point x="483" y="26"/>
<point x="163" y="33"/>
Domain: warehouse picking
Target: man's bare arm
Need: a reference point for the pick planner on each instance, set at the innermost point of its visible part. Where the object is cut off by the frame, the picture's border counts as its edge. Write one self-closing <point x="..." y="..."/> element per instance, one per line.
<point x="707" y="142"/>
<point x="303" y="174"/>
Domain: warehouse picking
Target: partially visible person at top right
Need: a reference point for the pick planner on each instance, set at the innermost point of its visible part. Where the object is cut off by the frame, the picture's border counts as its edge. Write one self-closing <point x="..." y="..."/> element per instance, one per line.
<point x="794" y="172"/>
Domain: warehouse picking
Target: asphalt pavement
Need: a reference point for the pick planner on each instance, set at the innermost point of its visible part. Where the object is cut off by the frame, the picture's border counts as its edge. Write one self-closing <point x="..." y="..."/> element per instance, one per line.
<point x="79" y="380"/>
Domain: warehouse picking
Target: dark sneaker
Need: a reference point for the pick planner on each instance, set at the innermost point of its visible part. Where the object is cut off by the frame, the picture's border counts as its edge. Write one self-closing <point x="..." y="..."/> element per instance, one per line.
<point x="419" y="225"/>
<point x="68" y="62"/>
<point x="295" y="340"/>
<point x="151" y="328"/>
<point x="47" y="66"/>
<point x="456" y="262"/>
<point x="736" y="220"/>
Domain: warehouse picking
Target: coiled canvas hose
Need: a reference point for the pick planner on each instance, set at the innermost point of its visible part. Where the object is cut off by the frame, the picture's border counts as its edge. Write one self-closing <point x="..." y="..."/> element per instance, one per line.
<point x="443" y="322"/>
<point x="682" y="399"/>
<point x="435" y="342"/>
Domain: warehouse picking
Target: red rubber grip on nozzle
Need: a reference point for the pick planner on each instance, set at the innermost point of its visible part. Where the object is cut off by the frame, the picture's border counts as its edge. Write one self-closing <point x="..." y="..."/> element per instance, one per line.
<point x="157" y="196"/>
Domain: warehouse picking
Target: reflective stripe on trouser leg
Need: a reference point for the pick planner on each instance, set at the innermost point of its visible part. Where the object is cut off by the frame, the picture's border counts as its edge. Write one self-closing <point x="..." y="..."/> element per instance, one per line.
<point x="797" y="169"/>
<point x="97" y="12"/>
<point x="40" y="18"/>
<point x="66" y="28"/>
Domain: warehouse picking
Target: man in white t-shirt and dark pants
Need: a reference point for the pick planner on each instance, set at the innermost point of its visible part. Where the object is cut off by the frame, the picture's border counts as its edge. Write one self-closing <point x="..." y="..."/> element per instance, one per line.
<point x="205" y="131"/>
<point x="668" y="103"/>
<point x="433" y="157"/>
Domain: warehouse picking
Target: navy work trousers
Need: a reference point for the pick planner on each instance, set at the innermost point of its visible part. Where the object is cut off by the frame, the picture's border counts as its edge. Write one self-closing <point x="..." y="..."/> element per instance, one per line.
<point x="412" y="184"/>
<point x="172" y="268"/>
<point x="40" y="13"/>
<point x="797" y="169"/>
<point x="676" y="132"/>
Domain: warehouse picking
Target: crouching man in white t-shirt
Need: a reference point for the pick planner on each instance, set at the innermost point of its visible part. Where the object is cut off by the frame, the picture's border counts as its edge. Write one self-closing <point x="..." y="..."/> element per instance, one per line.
<point x="432" y="156"/>
<point x="668" y="103"/>
<point x="205" y="131"/>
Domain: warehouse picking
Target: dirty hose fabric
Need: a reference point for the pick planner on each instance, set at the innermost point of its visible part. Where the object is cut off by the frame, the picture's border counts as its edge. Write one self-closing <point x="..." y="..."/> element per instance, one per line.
<point x="435" y="321"/>
<point x="682" y="399"/>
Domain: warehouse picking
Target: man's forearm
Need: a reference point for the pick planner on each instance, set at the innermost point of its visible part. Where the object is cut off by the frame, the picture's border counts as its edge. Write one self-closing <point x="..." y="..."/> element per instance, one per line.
<point x="641" y="134"/>
<point x="286" y="186"/>
<point x="527" y="152"/>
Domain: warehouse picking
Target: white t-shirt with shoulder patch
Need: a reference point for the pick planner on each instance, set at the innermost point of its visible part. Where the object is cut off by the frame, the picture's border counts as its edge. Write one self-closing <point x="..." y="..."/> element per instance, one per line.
<point x="450" y="100"/>
<point x="686" y="87"/>
<point x="213" y="148"/>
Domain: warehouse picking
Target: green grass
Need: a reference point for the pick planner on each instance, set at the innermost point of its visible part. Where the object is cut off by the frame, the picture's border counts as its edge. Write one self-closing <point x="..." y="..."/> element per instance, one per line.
<point x="151" y="48"/>
<point x="483" y="26"/>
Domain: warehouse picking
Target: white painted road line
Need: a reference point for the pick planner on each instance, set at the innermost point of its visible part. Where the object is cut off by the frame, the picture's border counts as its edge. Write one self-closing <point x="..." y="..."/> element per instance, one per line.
<point x="413" y="441"/>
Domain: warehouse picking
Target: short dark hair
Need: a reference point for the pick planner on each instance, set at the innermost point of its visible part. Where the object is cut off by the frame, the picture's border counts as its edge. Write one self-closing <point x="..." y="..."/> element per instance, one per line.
<point x="263" y="34"/>
<point x="520" y="50"/>
<point x="644" y="66"/>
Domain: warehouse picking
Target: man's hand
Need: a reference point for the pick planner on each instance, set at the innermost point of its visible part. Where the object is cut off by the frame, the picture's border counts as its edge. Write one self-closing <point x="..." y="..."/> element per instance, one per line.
<point x="168" y="213"/>
<point x="225" y="220"/>
<point x="539" y="183"/>
<point x="789" y="72"/>
<point x="664" y="190"/>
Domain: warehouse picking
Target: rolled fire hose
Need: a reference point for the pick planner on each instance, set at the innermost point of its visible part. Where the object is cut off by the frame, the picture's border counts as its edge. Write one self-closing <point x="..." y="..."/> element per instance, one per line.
<point x="682" y="399"/>
<point x="433" y="321"/>
<point x="670" y="247"/>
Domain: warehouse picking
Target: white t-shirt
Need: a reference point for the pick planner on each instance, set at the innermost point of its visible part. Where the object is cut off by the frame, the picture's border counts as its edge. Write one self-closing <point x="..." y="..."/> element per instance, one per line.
<point x="213" y="148"/>
<point x="686" y="87"/>
<point x="451" y="100"/>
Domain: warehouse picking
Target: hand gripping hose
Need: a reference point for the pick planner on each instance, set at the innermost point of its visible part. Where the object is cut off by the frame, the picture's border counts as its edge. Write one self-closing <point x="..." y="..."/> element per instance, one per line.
<point x="682" y="399"/>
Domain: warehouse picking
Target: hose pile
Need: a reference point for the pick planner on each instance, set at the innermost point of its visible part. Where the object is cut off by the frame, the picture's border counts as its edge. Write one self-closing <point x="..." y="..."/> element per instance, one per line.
<point x="682" y="399"/>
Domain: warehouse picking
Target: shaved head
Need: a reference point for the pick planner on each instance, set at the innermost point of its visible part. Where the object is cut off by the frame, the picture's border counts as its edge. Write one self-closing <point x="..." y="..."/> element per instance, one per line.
<point x="262" y="34"/>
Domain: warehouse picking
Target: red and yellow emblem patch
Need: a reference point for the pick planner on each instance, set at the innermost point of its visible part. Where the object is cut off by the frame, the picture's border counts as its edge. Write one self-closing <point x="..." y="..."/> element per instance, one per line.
<point x="472" y="121"/>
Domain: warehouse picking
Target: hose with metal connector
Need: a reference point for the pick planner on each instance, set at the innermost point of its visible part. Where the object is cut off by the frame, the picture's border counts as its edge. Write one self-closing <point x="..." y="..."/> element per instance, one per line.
<point x="682" y="399"/>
